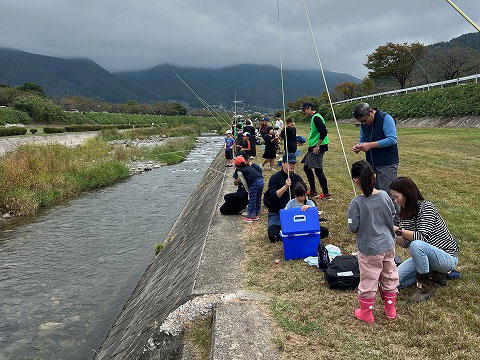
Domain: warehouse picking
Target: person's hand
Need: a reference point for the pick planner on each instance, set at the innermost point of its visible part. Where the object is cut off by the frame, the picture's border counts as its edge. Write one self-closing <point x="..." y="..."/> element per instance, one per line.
<point x="288" y="182"/>
<point x="364" y="146"/>
<point x="305" y="207"/>
<point x="316" y="150"/>
<point x="355" y="149"/>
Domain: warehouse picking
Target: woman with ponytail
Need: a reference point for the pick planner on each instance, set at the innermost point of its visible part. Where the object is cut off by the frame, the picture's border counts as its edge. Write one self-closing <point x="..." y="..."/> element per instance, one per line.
<point x="370" y="216"/>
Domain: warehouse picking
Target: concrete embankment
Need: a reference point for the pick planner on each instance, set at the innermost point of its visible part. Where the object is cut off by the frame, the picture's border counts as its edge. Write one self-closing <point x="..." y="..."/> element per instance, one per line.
<point x="199" y="271"/>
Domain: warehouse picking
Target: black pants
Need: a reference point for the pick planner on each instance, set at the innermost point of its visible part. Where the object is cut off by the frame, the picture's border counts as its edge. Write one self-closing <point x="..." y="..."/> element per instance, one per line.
<point x="311" y="179"/>
<point x="274" y="233"/>
<point x="234" y="203"/>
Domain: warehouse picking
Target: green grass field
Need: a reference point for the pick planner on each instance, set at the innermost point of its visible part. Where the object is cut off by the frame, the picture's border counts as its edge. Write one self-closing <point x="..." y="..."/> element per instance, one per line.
<point x="314" y="322"/>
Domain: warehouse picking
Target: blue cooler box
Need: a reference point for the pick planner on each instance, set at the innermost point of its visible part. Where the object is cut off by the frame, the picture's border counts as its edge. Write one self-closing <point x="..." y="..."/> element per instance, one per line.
<point x="300" y="232"/>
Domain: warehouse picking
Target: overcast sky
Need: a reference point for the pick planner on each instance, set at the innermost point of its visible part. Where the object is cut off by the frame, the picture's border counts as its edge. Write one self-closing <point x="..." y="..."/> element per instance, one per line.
<point x="139" y="34"/>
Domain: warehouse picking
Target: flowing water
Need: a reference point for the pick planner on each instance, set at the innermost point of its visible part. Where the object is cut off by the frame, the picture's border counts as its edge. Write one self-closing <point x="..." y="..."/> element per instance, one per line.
<point x="66" y="273"/>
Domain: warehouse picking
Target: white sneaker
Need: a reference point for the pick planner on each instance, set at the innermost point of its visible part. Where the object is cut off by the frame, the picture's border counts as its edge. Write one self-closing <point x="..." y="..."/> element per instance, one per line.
<point x="244" y="213"/>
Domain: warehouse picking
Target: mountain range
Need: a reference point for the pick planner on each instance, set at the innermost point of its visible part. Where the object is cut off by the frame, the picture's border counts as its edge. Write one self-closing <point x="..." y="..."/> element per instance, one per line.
<point x="257" y="86"/>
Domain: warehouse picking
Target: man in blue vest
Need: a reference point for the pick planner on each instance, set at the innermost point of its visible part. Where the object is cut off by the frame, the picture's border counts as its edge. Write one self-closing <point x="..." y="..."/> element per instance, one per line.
<point x="378" y="139"/>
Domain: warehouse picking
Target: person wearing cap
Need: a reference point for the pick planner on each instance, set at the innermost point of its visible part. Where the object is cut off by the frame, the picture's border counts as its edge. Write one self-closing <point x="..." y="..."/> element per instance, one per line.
<point x="255" y="183"/>
<point x="228" y="147"/>
<point x="278" y="194"/>
<point x="237" y="201"/>
<point x="251" y="137"/>
<point x="317" y="146"/>
<point x="378" y="140"/>
<point x="246" y="145"/>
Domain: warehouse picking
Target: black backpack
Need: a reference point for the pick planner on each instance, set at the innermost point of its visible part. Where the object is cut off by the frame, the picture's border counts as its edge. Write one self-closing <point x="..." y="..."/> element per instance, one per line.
<point x="343" y="272"/>
<point x="323" y="258"/>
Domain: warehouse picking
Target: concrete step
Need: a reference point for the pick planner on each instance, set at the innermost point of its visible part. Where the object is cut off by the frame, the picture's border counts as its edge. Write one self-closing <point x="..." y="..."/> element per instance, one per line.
<point x="242" y="330"/>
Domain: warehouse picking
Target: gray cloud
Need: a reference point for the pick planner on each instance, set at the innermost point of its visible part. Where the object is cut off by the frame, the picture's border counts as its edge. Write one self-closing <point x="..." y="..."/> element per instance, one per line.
<point x="128" y="34"/>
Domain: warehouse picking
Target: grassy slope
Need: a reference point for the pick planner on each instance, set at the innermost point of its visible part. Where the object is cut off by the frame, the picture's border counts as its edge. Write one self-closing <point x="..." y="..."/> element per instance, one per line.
<point x="452" y="101"/>
<point x="318" y="323"/>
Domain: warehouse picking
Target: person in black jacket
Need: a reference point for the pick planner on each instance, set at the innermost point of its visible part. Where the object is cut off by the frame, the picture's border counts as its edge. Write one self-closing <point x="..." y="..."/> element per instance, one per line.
<point x="291" y="140"/>
<point x="251" y="137"/>
<point x="279" y="194"/>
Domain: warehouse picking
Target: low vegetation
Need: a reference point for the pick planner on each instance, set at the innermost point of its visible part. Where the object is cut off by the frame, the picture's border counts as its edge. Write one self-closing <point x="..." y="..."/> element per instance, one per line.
<point x="12" y="131"/>
<point x="315" y="322"/>
<point x="198" y="336"/>
<point x="34" y="176"/>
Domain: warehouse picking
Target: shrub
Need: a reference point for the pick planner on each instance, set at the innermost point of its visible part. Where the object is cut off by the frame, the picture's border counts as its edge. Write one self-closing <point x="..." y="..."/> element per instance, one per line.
<point x="53" y="130"/>
<point x="12" y="116"/>
<point x="80" y="128"/>
<point x="39" y="108"/>
<point x="33" y="131"/>
<point x="11" y="131"/>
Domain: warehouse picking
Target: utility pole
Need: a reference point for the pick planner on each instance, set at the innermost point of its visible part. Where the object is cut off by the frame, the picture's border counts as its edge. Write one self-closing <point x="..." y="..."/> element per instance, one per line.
<point x="235" y="102"/>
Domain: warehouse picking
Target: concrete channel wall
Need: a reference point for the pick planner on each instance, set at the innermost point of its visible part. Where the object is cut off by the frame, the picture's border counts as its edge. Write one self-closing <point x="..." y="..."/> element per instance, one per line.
<point x="168" y="281"/>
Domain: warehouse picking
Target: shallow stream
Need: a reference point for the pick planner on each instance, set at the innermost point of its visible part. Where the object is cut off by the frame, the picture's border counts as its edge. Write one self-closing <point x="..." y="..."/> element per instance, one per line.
<point x="66" y="273"/>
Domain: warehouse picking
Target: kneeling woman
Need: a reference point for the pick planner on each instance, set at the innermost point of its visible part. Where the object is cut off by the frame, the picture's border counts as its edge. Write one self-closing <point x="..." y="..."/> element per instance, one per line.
<point x="433" y="249"/>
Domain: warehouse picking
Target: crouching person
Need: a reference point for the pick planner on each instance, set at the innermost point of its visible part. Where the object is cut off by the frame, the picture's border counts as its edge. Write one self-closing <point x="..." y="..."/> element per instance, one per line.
<point x="278" y="195"/>
<point x="255" y="183"/>
<point x="423" y="231"/>
<point x="302" y="201"/>
<point x="370" y="216"/>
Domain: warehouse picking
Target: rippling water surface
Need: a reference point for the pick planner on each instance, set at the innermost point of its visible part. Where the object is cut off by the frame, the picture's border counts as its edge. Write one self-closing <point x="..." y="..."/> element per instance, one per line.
<point x="66" y="274"/>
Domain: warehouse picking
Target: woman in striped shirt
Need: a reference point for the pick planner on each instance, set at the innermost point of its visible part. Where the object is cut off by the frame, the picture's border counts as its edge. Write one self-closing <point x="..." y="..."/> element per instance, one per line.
<point x="422" y="229"/>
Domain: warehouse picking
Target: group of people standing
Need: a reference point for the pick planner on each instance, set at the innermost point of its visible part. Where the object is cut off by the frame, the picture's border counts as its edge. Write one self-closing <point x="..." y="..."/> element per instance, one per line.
<point x="390" y="210"/>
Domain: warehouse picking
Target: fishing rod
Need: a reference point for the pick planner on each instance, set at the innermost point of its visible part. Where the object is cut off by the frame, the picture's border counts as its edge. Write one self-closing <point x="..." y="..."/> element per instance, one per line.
<point x="328" y="93"/>
<point x="283" y="97"/>
<point x="464" y="15"/>
<point x="204" y="103"/>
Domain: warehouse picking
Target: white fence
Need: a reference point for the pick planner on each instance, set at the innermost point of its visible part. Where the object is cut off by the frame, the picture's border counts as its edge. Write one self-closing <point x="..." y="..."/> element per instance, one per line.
<point x="426" y="87"/>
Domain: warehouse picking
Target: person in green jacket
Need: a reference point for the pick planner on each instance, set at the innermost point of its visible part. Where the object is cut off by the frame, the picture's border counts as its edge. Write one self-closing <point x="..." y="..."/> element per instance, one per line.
<point x="317" y="146"/>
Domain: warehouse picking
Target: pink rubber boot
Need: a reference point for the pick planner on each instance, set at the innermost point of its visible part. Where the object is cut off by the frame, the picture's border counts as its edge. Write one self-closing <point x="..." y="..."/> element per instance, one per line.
<point x="389" y="301"/>
<point x="365" y="311"/>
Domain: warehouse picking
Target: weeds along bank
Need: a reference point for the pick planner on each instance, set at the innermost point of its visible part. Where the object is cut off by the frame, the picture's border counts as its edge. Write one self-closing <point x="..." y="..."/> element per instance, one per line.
<point x="315" y="322"/>
<point x="35" y="176"/>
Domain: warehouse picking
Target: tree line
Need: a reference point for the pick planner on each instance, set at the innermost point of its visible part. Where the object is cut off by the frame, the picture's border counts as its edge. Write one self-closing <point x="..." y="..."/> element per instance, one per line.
<point x="392" y="66"/>
<point x="31" y="99"/>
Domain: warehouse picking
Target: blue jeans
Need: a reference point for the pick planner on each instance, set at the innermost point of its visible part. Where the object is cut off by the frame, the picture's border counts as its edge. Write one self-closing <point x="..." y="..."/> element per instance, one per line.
<point x="425" y="258"/>
<point x="255" y="198"/>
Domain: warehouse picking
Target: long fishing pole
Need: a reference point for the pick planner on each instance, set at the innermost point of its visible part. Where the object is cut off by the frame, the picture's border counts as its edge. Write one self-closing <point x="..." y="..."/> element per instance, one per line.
<point x="283" y="98"/>
<point x="204" y="103"/>
<point x="464" y="15"/>
<point x="328" y="93"/>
